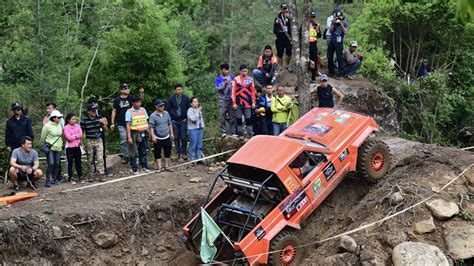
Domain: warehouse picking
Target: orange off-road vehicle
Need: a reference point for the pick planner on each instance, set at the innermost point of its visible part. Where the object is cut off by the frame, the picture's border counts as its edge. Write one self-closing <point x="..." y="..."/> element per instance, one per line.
<point x="273" y="183"/>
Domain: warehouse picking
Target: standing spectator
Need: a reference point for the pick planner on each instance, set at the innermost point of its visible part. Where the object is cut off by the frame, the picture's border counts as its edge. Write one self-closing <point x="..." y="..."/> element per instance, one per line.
<point x="17" y="127"/>
<point x="51" y="134"/>
<point x="424" y="68"/>
<point x="259" y="119"/>
<point x="326" y="94"/>
<point x="121" y="105"/>
<point x="281" y="105"/>
<point x="224" y="92"/>
<point x="73" y="135"/>
<point x="282" y="31"/>
<point x="243" y="100"/>
<point x="137" y="125"/>
<point x="268" y="108"/>
<point x="196" y="128"/>
<point x="338" y="29"/>
<point x="314" y="35"/>
<point x="327" y="33"/>
<point x="178" y="105"/>
<point x="24" y="164"/>
<point x="93" y="128"/>
<point x="161" y="131"/>
<point x="103" y="120"/>
<point x="141" y="91"/>
<point x="352" y="61"/>
<point x="267" y="68"/>
<point x="50" y="107"/>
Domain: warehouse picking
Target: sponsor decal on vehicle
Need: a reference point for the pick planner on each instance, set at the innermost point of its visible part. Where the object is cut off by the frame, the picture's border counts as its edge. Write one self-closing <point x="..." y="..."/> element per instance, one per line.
<point x="317" y="187"/>
<point x="342" y="118"/>
<point x="337" y="112"/>
<point x="260" y="233"/>
<point x="329" y="171"/>
<point x="291" y="184"/>
<point x="293" y="203"/>
<point x="321" y="116"/>
<point x="317" y="129"/>
<point x="343" y="155"/>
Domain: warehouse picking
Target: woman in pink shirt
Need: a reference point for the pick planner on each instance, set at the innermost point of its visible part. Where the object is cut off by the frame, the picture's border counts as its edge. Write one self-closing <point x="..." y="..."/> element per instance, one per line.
<point x="73" y="134"/>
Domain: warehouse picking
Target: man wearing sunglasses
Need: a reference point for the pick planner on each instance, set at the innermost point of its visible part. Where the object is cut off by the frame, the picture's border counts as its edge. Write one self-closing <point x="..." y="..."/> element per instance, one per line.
<point x="18" y="126"/>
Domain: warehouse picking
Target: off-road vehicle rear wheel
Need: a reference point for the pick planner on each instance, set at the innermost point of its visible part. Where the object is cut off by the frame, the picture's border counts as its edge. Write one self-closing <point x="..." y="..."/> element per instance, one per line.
<point x="373" y="160"/>
<point x="285" y="245"/>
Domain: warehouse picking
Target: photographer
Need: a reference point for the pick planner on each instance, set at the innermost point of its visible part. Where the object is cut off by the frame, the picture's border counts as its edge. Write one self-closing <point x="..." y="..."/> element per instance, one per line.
<point x="352" y="61"/>
<point x="338" y="29"/>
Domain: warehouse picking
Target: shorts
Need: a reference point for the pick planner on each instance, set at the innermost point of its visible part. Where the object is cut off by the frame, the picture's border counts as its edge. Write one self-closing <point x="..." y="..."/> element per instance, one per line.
<point x="283" y="46"/>
<point x="164" y="144"/>
<point x="23" y="176"/>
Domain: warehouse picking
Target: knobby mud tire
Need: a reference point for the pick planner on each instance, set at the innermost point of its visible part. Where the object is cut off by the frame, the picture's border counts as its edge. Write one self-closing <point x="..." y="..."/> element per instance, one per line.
<point x="373" y="160"/>
<point x="286" y="245"/>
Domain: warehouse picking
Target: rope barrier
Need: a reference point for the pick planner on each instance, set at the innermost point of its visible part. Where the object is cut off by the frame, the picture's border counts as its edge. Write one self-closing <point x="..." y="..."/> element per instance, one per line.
<point x="361" y="227"/>
<point x="142" y="174"/>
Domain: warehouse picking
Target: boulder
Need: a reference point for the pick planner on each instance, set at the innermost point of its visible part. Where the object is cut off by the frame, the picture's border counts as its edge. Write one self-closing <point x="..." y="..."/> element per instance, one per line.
<point x="425" y="226"/>
<point x="396" y="198"/>
<point x="341" y="259"/>
<point x="113" y="161"/>
<point x="105" y="240"/>
<point x="459" y="238"/>
<point x="347" y="244"/>
<point x="442" y="209"/>
<point x="417" y="253"/>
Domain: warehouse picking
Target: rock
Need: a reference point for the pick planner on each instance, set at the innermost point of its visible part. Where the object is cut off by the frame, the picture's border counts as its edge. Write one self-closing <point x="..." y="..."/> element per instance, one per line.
<point x="341" y="259"/>
<point x="425" y="226"/>
<point x="141" y="263"/>
<point x="144" y="251"/>
<point x="195" y="180"/>
<point x="393" y="238"/>
<point x="347" y="243"/>
<point x="442" y="209"/>
<point x="168" y="226"/>
<point x="57" y="231"/>
<point x="459" y="238"/>
<point x="105" y="240"/>
<point x="187" y="174"/>
<point x="370" y="258"/>
<point x="153" y="192"/>
<point x="113" y="161"/>
<point x="396" y="198"/>
<point x="417" y="253"/>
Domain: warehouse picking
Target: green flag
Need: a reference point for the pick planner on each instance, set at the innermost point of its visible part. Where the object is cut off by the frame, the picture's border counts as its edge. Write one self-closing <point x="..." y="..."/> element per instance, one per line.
<point x="210" y="232"/>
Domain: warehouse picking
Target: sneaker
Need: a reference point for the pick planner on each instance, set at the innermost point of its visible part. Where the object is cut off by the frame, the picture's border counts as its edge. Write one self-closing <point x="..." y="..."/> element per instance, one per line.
<point x="48" y="182"/>
<point x="56" y="182"/>
<point x="108" y="174"/>
<point x="350" y="77"/>
<point x="185" y="157"/>
<point x="135" y="172"/>
<point x="223" y="135"/>
<point x="15" y="188"/>
<point x="72" y="182"/>
<point x="146" y="170"/>
<point x="83" y="181"/>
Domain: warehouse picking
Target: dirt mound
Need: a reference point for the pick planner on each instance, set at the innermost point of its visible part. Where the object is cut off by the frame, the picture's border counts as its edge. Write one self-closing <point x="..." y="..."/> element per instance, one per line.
<point x="139" y="221"/>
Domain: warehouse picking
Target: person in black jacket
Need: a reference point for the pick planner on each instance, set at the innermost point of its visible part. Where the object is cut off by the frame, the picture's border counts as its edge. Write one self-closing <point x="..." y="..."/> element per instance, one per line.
<point x="178" y="105"/>
<point x="18" y="126"/>
<point x="282" y="31"/>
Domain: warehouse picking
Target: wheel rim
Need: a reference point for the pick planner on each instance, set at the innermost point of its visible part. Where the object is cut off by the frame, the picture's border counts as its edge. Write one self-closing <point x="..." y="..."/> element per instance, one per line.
<point x="377" y="161"/>
<point x="288" y="254"/>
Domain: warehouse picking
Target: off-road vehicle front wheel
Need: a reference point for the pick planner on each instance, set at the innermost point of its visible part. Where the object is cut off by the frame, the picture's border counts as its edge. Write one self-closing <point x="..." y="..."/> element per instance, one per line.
<point x="285" y="249"/>
<point x="373" y="159"/>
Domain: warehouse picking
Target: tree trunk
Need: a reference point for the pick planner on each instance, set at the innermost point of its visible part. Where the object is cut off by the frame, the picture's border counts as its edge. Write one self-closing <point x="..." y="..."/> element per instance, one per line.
<point x="301" y="53"/>
<point x="230" y="32"/>
<point x="40" y="63"/>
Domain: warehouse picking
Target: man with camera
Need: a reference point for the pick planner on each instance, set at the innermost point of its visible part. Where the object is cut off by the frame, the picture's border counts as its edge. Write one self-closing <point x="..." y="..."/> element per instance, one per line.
<point x="352" y="61"/>
<point x="338" y="29"/>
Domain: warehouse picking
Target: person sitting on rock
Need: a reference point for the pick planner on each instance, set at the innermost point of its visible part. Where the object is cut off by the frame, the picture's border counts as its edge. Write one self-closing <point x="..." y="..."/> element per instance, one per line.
<point x="352" y="62"/>
<point x="267" y="71"/>
<point x="24" y="164"/>
<point x="326" y="93"/>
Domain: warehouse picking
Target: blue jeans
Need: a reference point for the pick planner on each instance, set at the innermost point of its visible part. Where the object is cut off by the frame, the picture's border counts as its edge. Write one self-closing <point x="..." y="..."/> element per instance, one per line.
<point x="350" y="70"/>
<point x="278" y="128"/>
<point x="260" y="76"/>
<point x="123" y="141"/>
<point x="195" y="143"/>
<point x="140" y="146"/>
<point x="54" y="161"/>
<point x="337" y="47"/>
<point x="180" y="137"/>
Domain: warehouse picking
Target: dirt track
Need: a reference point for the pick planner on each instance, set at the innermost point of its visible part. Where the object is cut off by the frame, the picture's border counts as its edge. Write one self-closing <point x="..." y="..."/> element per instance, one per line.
<point x="147" y="213"/>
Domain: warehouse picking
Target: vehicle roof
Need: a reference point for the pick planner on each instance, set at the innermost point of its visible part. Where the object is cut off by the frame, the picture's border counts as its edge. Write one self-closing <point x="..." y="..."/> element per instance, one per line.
<point x="270" y="153"/>
<point x="329" y="127"/>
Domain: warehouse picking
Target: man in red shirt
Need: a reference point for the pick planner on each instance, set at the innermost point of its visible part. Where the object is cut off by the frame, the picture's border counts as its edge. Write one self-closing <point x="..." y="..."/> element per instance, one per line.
<point x="243" y="100"/>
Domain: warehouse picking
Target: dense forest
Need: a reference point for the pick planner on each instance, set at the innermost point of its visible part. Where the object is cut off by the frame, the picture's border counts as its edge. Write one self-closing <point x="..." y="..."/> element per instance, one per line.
<point x="67" y="51"/>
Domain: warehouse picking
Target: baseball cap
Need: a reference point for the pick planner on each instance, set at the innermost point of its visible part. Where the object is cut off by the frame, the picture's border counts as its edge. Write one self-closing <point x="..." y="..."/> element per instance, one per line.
<point x="313" y="13"/>
<point x="284" y="6"/>
<point x="243" y="66"/>
<point x="135" y="98"/>
<point x="16" y="105"/>
<point x="324" y="77"/>
<point x="124" y="86"/>
<point x="92" y="100"/>
<point x="91" y="107"/>
<point x="56" y="113"/>
<point x="354" y="43"/>
<point x="159" y="102"/>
